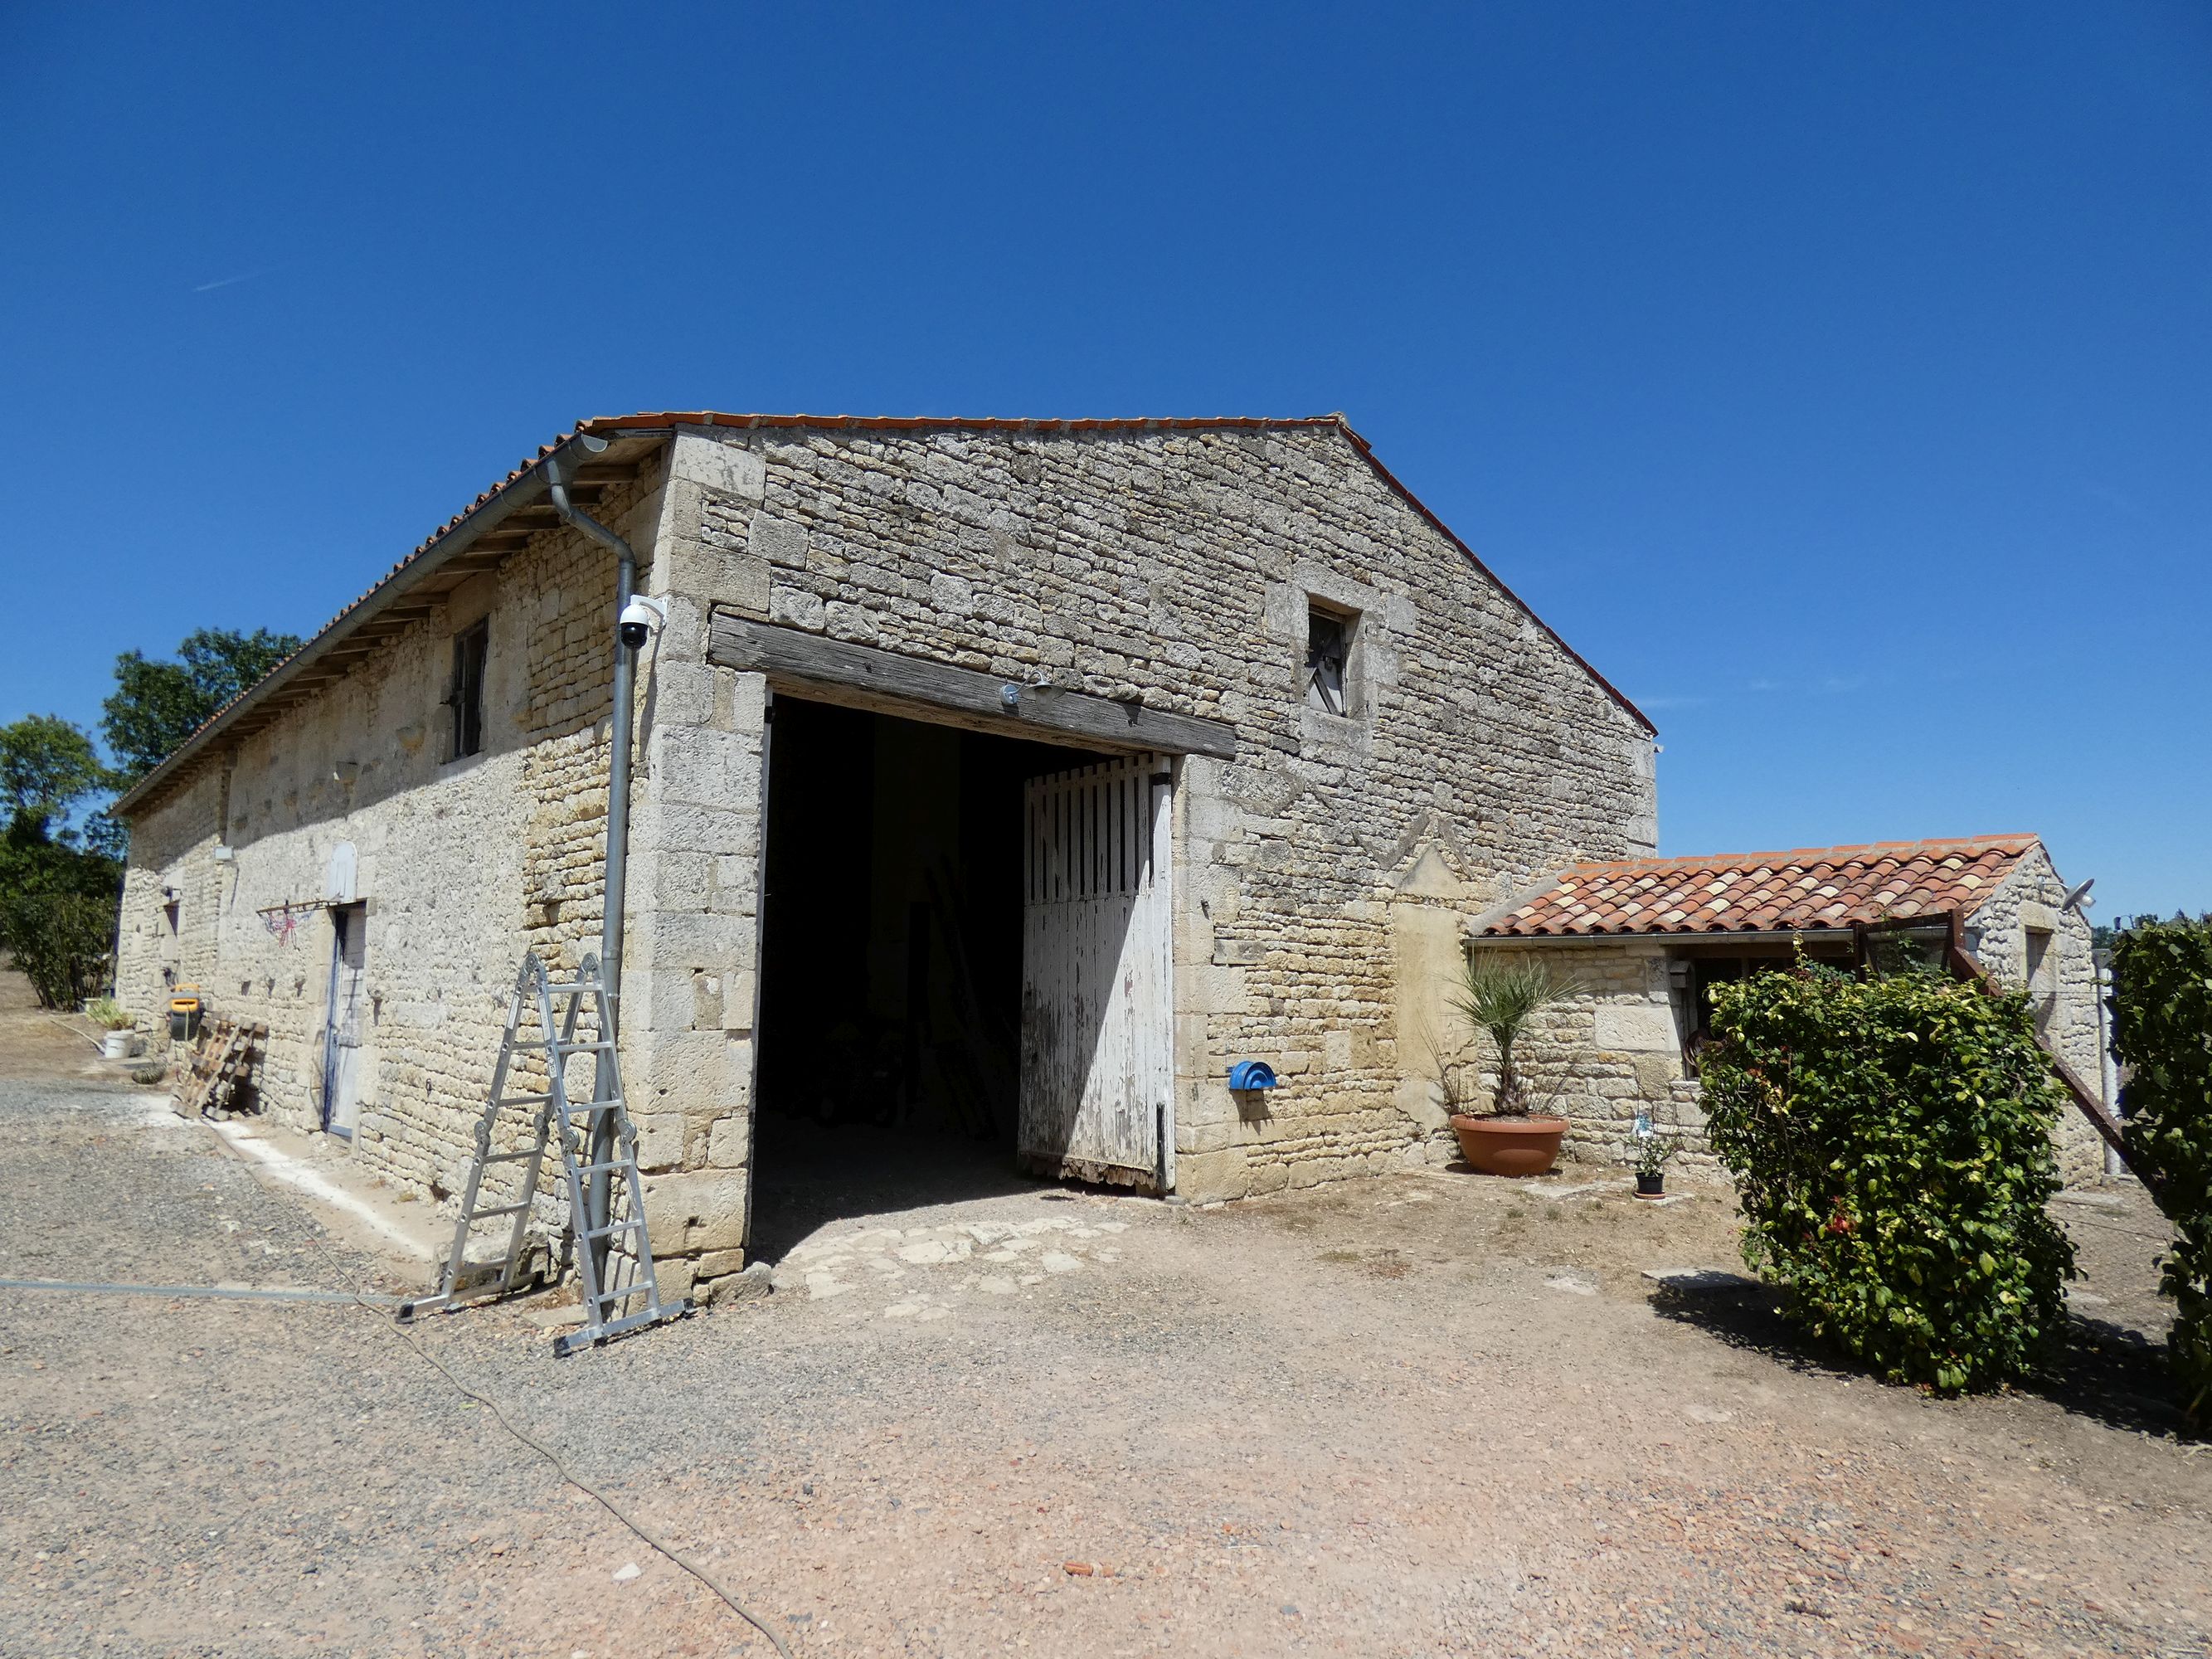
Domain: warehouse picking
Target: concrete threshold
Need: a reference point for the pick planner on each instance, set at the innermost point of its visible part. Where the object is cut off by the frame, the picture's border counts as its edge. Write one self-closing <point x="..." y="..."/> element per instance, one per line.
<point x="313" y="1166"/>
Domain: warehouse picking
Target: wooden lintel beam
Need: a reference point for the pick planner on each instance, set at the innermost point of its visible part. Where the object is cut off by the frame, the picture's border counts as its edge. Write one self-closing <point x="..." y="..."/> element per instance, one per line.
<point x="863" y="676"/>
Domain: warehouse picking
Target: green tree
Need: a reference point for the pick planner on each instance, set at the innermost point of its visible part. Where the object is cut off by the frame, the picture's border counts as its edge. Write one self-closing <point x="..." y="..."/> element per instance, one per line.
<point x="57" y="898"/>
<point x="48" y="766"/>
<point x="57" y="915"/>
<point x="157" y="703"/>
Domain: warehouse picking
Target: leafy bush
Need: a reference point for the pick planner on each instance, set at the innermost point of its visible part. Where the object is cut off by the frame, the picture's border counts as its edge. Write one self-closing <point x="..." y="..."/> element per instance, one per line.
<point x="1890" y="1139"/>
<point x="57" y="915"/>
<point x="2162" y="1030"/>
<point x="61" y="942"/>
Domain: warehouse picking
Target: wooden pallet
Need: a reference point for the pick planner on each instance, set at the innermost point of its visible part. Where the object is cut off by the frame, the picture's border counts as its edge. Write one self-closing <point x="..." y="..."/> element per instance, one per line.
<point x="223" y="1064"/>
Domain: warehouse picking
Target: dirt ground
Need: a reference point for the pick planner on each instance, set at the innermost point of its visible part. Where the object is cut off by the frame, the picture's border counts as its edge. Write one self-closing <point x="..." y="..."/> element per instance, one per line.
<point x="34" y="1042"/>
<point x="1434" y="1414"/>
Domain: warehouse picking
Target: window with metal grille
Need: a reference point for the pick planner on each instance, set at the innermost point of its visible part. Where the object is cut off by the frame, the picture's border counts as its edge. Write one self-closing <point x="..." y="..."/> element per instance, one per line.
<point x="465" y="698"/>
<point x="1328" y="659"/>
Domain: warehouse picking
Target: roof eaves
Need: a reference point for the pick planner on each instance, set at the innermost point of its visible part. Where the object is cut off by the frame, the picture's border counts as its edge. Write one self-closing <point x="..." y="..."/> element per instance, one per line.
<point x="519" y="490"/>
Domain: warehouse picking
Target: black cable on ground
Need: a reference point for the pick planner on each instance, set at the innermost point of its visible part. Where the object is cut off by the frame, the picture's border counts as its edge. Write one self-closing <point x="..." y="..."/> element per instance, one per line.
<point x="646" y="1534"/>
<point x="2115" y="1227"/>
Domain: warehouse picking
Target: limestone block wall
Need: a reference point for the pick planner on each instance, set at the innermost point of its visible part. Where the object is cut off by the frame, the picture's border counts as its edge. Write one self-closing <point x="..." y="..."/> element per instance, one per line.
<point x="459" y="863"/>
<point x="1606" y="1053"/>
<point x="172" y="892"/>
<point x="1996" y="936"/>
<point x="1174" y="568"/>
<point x="691" y="974"/>
<point x="1616" y="1049"/>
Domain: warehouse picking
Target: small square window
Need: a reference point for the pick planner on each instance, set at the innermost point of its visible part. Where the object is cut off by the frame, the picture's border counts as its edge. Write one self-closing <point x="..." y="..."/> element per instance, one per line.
<point x="465" y="698"/>
<point x="1328" y="660"/>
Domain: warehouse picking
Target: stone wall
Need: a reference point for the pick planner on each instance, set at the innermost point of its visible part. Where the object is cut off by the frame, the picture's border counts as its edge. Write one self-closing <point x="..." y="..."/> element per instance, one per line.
<point x="1617" y="1050"/>
<point x="1175" y="567"/>
<point x="1996" y="936"/>
<point x="459" y="863"/>
<point x="1610" y="1051"/>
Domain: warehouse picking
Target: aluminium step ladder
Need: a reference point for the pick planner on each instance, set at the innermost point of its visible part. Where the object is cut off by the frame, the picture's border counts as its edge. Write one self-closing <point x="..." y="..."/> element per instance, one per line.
<point x="621" y="1272"/>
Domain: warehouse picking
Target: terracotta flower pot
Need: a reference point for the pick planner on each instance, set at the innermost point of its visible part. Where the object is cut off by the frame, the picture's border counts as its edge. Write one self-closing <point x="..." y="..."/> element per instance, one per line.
<point x="1509" y="1145"/>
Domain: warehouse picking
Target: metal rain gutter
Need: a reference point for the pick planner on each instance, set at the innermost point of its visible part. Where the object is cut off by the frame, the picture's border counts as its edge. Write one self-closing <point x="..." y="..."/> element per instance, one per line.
<point x="600" y="1201"/>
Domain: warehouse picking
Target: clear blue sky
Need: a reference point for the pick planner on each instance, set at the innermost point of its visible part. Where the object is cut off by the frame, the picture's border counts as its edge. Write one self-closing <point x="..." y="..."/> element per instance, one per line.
<point x="1838" y="379"/>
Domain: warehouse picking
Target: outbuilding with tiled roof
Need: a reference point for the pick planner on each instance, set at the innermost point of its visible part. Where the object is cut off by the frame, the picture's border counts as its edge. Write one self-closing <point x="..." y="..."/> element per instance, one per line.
<point x="1646" y="939"/>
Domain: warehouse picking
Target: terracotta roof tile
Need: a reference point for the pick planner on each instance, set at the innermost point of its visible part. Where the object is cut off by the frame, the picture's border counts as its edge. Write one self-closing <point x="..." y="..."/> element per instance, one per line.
<point x="1809" y="887"/>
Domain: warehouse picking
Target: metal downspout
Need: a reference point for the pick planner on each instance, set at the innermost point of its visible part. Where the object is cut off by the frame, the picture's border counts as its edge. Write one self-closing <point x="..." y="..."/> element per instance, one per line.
<point x="598" y="1202"/>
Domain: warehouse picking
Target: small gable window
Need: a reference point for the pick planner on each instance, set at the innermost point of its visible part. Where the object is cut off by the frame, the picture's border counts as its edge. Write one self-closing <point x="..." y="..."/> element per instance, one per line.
<point x="466" y="698"/>
<point x="1328" y="659"/>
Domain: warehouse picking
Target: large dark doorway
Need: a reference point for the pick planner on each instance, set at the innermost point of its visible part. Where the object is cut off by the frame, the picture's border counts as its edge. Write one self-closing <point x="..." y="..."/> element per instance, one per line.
<point x="892" y="967"/>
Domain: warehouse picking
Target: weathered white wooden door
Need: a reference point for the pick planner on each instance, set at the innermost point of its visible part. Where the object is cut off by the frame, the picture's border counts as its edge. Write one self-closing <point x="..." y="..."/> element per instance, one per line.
<point x="1097" y="1060"/>
<point x="343" y="1038"/>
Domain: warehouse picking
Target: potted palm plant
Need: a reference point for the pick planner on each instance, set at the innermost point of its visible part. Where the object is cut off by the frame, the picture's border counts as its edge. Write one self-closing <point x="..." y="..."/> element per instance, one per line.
<point x="1499" y="998"/>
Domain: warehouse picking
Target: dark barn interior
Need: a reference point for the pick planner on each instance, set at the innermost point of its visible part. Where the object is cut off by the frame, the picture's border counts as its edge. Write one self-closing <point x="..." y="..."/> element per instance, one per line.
<point x="891" y="965"/>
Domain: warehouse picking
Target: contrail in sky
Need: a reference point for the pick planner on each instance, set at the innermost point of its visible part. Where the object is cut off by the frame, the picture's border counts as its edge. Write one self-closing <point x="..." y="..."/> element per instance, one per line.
<point x="209" y="288"/>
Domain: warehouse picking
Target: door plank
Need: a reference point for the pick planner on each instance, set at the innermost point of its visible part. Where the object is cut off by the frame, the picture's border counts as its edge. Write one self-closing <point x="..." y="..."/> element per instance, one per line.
<point x="1096" y="1060"/>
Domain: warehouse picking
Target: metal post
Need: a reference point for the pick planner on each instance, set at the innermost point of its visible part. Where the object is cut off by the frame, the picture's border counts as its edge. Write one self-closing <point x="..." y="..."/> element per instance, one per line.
<point x="2108" y="1069"/>
<point x="600" y="1203"/>
<point x="597" y="1202"/>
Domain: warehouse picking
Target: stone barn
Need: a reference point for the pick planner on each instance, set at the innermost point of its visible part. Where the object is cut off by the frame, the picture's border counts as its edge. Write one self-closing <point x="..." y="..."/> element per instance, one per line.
<point x="1001" y="785"/>
<point x="1646" y="939"/>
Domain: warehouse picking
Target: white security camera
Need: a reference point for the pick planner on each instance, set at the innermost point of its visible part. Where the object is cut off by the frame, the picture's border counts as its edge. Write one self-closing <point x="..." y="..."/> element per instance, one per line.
<point x="639" y="618"/>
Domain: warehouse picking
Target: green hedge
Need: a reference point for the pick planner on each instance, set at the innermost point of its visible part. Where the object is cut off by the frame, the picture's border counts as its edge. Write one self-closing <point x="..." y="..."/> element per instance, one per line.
<point x="1890" y="1139"/>
<point x="2162" y="1030"/>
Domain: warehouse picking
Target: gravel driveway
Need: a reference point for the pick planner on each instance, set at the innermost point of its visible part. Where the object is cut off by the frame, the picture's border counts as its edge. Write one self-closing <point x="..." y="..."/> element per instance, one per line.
<point x="1428" y="1415"/>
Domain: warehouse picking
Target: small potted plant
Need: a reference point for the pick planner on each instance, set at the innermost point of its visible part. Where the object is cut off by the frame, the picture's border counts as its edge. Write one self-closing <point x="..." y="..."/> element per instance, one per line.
<point x="1500" y="998"/>
<point x="117" y="1022"/>
<point x="1654" y="1149"/>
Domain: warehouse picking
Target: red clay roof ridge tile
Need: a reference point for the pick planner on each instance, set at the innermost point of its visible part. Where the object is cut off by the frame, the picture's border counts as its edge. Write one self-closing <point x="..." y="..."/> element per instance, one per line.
<point x="1781" y="892"/>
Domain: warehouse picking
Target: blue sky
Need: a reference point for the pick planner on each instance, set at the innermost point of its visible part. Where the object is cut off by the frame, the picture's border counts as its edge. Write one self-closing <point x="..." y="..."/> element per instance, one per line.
<point x="1838" y="379"/>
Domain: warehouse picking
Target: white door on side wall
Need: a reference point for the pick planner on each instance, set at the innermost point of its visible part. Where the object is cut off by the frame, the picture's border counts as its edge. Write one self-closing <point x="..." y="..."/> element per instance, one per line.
<point x="342" y="1031"/>
<point x="1098" y="1058"/>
